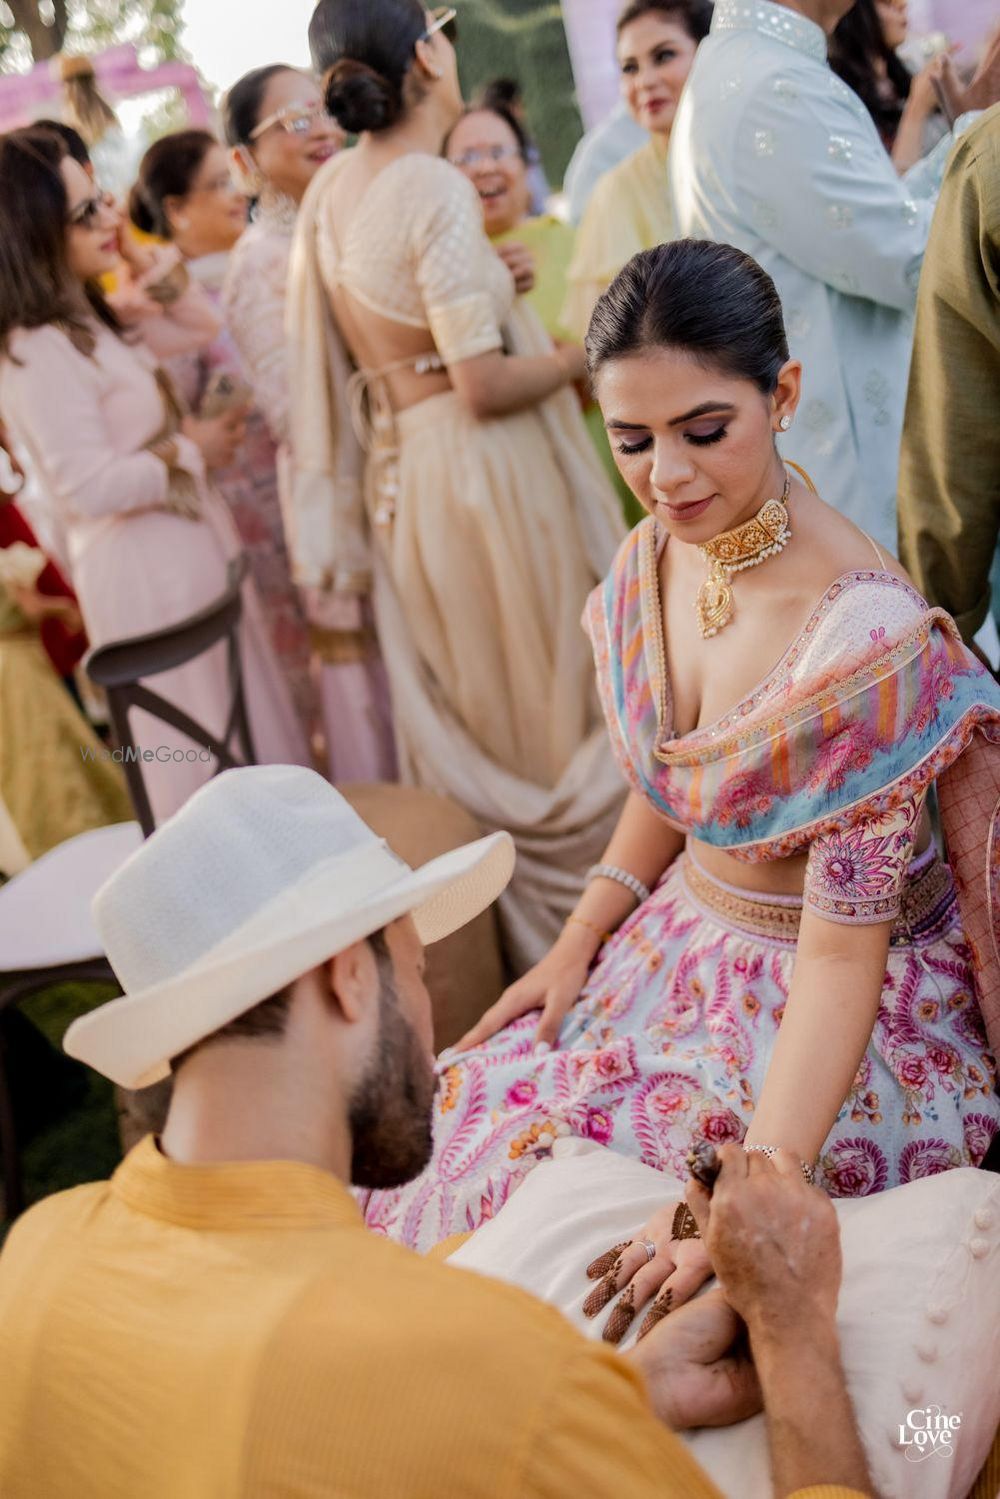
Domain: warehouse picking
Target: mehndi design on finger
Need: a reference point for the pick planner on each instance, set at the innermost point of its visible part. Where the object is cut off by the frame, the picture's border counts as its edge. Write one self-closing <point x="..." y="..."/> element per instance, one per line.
<point x="600" y="1267"/>
<point x="620" y="1320"/>
<point x="601" y="1295"/>
<point x="684" y="1225"/>
<point x="661" y="1306"/>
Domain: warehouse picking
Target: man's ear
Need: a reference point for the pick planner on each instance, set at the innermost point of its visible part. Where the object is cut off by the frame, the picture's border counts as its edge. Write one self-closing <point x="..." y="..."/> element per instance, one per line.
<point x="352" y="980"/>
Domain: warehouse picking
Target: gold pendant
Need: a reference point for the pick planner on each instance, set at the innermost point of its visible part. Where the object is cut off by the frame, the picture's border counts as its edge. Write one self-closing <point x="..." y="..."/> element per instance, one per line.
<point x="714" y="602"/>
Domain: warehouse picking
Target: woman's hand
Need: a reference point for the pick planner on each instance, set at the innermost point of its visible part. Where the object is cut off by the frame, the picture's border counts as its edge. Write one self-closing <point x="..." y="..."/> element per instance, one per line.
<point x="521" y="263"/>
<point x="679" y="1268"/>
<point x="552" y="986"/>
<point x="218" y="437"/>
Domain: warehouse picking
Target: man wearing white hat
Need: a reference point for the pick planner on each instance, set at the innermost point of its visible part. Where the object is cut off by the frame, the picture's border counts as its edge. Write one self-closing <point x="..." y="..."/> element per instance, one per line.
<point x="216" y="1321"/>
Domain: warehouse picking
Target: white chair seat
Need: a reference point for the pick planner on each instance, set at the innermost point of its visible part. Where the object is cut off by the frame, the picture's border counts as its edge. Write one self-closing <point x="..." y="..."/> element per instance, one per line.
<point x="45" y="910"/>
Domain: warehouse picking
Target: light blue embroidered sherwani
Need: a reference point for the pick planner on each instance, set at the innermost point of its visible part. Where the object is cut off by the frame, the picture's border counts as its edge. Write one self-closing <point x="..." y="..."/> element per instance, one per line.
<point x="770" y="151"/>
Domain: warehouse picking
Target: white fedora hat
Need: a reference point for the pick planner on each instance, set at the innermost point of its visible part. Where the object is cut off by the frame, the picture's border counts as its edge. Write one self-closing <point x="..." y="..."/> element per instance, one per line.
<point x="263" y="874"/>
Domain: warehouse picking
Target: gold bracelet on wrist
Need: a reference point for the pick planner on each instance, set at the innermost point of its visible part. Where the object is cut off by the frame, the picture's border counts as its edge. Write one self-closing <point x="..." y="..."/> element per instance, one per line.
<point x="579" y="921"/>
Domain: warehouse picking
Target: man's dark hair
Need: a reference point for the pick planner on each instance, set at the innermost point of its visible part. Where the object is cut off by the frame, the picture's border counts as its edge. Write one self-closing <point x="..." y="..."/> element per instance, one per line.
<point x="269" y="1017"/>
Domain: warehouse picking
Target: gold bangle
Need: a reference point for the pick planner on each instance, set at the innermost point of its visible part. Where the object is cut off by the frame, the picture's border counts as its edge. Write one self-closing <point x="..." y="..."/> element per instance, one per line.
<point x="579" y="921"/>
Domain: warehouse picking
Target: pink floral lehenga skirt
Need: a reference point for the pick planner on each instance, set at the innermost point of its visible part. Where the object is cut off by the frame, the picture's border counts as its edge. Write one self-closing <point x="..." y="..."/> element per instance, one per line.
<point x="671" y="1040"/>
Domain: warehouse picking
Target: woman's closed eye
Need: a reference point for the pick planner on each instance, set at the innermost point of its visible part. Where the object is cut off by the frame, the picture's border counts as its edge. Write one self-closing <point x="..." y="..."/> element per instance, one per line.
<point x="705" y="439"/>
<point x="634" y="447"/>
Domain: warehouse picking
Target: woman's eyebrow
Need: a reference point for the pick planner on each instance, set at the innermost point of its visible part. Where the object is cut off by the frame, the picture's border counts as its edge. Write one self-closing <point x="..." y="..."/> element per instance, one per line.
<point x="719" y="407"/>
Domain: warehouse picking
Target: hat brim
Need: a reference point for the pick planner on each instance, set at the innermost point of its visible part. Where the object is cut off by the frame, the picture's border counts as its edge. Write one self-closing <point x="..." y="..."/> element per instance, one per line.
<point x="131" y="1040"/>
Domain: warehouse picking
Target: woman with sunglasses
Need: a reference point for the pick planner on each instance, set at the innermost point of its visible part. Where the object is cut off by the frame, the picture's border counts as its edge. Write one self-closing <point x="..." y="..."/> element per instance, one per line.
<point x="185" y="194"/>
<point x="439" y="453"/>
<point x="279" y="136"/>
<point x="91" y="409"/>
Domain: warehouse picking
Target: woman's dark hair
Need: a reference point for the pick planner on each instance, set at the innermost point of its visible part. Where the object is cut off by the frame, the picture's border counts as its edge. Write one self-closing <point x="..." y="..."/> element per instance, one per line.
<point x="36" y="285"/>
<point x="363" y="49"/>
<point x="709" y="301"/>
<point x="243" y="105"/>
<point x="167" y="170"/>
<point x="74" y="142"/>
<point x="856" y="48"/>
<point x="506" y="92"/>
<point x="502" y="113"/>
<point x="694" y="15"/>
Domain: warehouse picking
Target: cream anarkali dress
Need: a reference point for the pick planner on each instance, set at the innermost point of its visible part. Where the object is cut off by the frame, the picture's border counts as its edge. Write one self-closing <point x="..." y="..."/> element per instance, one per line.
<point x="483" y="537"/>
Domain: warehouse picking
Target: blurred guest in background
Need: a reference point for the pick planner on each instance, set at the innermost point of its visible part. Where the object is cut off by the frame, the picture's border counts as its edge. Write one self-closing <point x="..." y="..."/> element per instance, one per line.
<point x="478" y="506"/>
<point x="600" y="149"/>
<point x="148" y="538"/>
<point x="506" y="94"/>
<point x="489" y="145"/>
<point x="279" y="136"/>
<point x="185" y="194"/>
<point x="949" y="481"/>
<point x="863" y="51"/>
<point x="629" y="209"/>
<point x="55" y="779"/>
<point x="771" y="154"/>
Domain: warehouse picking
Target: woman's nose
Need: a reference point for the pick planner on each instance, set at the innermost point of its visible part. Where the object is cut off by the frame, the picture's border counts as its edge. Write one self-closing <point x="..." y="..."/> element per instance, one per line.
<point x="671" y="468"/>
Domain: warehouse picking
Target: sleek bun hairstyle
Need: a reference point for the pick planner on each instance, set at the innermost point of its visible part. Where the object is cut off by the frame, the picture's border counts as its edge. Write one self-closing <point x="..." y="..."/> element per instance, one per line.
<point x="711" y="301"/>
<point x="363" y="49"/>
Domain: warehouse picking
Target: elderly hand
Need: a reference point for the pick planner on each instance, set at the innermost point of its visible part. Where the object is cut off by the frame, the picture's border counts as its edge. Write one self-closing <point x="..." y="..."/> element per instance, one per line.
<point x="520" y="262"/>
<point x="697" y="1368"/>
<point x="773" y="1239"/>
<point x="677" y="1267"/>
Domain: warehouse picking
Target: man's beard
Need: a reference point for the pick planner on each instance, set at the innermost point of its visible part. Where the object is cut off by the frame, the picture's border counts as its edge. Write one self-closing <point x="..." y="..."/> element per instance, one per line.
<point x="390" y="1111"/>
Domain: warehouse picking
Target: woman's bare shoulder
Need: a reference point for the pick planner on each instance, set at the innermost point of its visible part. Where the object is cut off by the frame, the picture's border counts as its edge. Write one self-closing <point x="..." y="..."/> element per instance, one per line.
<point x="837" y="546"/>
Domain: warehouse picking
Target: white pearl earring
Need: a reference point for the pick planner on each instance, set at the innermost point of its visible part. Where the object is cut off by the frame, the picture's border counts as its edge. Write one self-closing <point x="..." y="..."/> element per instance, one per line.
<point x="785" y="422"/>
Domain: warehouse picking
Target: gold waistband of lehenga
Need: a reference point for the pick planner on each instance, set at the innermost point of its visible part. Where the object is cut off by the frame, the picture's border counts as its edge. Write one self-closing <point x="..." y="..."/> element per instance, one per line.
<point x="926" y="902"/>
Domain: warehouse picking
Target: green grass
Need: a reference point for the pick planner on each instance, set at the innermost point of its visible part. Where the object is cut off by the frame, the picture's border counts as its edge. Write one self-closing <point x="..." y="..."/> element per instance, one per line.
<point x="78" y="1140"/>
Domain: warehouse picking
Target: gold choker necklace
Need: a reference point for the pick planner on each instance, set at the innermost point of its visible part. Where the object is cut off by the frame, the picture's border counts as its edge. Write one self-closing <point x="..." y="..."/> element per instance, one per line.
<point x="748" y="545"/>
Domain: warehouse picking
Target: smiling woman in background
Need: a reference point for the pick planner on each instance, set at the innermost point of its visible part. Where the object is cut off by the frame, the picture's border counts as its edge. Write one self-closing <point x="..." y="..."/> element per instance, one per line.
<point x="185" y="194"/>
<point x="629" y="209"/>
<point x="490" y="147"/>
<point x="88" y="407"/>
<point x="279" y="136"/>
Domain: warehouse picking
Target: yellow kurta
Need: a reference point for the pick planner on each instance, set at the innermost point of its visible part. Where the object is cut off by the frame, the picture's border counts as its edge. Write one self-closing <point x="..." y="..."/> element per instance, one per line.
<point x="234" y="1332"/>
<point x="629" y="210"/>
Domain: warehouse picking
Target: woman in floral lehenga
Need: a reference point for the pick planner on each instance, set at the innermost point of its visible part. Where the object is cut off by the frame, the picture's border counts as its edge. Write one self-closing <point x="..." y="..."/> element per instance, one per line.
<point x="779" y="822"/>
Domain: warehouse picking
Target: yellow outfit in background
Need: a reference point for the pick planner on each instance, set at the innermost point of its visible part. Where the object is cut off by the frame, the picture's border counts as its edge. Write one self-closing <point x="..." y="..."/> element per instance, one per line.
<point x="234" y="1332"/>
<point x="552" y="242"/>
<point x="628" y="211"/>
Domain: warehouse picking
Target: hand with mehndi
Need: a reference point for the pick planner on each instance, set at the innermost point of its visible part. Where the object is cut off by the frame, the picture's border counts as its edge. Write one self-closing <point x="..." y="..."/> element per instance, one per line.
<point x="664" y="1265"/>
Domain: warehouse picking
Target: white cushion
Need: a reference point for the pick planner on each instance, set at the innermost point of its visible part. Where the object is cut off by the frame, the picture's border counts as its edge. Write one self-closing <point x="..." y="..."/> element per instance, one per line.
<point x="45" y="910"/>
<point x="917" y="1314"/>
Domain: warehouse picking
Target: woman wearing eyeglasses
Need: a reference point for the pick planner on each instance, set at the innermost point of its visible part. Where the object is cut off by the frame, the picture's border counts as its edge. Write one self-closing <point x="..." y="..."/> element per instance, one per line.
<point x="279" y="136"/>
<point x="185" y="194"/>
<point x="629" y="209"/>
<point x="490" y="147"/>
<point x="439" y="454"/>
<point x="92" y="411"/>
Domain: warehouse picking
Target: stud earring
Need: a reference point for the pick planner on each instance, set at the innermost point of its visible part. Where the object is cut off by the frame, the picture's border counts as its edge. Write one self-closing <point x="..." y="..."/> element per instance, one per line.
<point x="785" y="423"/>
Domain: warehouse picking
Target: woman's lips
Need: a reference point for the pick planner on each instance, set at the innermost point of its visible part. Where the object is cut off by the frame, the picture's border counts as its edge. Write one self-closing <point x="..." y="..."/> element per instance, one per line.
<point x="110" y="246"/>
<point x="321" y="153"/>
<point x="654" y="106"/>
<point x="687" y="512"/>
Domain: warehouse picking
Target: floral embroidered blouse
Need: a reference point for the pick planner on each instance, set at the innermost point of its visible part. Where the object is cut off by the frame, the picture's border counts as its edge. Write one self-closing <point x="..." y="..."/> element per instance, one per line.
<point x="831" y="755"/>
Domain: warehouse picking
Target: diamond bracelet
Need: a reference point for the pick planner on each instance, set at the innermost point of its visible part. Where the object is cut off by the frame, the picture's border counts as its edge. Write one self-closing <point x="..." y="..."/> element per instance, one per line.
<point x="808" y="1172"/>
<point x="622" y="876"/>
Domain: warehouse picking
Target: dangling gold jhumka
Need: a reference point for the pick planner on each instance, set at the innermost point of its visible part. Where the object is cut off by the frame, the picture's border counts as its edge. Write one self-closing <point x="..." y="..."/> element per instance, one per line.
<point x="749" y="545"/>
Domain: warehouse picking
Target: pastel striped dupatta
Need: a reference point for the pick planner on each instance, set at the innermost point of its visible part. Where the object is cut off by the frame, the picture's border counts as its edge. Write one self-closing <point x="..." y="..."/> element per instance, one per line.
<point x="857" y="718"/>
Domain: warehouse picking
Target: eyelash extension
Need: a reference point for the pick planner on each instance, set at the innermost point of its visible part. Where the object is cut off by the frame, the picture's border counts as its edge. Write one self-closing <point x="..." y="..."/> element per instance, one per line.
<point x="638" y="447"/>
<point x="704" y="442"/>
